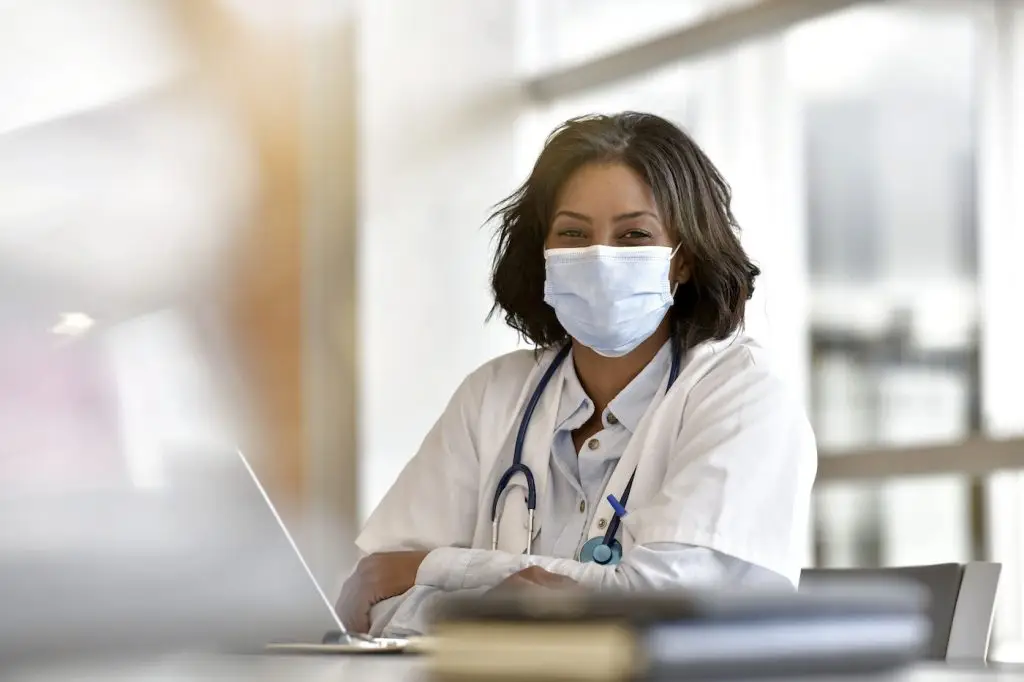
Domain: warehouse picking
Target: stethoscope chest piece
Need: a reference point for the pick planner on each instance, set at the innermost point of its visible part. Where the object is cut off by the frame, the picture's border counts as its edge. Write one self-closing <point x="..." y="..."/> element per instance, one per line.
<point x="597" y="551"/>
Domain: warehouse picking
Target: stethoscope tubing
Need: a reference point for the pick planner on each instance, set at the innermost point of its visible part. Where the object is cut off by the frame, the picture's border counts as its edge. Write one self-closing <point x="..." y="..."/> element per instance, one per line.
<point x="519" y="467"/>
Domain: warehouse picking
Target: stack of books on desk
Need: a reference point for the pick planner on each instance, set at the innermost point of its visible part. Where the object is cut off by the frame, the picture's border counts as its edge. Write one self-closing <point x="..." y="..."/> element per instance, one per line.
<point x="552" y="635"/>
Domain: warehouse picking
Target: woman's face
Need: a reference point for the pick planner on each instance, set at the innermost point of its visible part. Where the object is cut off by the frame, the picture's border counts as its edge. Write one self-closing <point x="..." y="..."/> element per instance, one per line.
<point x="607" y="204"/>
<point x="611" y="205"/>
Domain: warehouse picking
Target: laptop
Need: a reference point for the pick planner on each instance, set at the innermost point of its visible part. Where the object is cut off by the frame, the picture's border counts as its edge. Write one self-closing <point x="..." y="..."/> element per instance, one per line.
<point x="338" y="640"/>
<point x="194" y="564"/>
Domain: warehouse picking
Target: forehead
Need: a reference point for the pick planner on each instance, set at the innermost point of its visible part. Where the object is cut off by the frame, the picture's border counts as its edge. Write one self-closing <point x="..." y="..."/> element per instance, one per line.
<point x="606" y="188"/>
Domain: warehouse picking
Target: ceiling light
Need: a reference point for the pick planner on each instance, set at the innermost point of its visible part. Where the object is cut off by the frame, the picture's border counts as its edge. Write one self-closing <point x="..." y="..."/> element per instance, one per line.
<point x="73" y="324"/>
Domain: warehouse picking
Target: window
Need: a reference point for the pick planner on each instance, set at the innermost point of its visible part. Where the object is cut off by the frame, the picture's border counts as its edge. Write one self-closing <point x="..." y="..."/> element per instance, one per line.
<point x="890" y="157"/>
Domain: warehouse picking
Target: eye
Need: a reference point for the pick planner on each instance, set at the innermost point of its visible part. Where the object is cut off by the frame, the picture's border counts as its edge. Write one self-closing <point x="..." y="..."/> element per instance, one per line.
<point x="635" y="235"/>
<point x="570" y="233"/>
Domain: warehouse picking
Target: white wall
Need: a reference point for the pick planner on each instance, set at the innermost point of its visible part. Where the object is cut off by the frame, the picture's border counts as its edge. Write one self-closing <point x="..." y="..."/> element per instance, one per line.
<point x="437" y="111"/>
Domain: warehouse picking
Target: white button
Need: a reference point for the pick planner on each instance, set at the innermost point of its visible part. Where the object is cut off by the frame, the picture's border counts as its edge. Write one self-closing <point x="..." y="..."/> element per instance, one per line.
<point x="593" y="444"/>
<point x="612" y="419"/>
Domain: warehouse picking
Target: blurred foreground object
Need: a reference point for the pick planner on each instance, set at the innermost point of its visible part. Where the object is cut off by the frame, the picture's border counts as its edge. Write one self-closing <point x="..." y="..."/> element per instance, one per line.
<point x="197" y="565"/>
<point x="566" y="635"/>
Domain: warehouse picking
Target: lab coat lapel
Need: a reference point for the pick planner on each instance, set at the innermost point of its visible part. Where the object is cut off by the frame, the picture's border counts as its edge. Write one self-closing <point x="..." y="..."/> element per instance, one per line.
<point x="514" y="520"/>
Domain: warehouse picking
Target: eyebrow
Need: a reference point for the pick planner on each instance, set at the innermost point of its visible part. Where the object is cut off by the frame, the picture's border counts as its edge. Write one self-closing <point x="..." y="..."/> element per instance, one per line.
<point x="619" y="218"/>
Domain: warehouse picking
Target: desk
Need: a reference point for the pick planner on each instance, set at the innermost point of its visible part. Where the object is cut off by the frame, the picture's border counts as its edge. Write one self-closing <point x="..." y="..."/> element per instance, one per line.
<point x="277" y="668"/>
<point x="369" y="669"/>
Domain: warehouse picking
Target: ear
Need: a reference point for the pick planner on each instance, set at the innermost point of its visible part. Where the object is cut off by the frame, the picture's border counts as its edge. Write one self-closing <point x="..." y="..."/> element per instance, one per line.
<point x="681" y="275"/>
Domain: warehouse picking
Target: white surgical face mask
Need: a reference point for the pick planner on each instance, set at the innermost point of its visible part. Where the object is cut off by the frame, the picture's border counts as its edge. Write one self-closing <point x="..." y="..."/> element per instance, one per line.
<point x="609" y="298"/>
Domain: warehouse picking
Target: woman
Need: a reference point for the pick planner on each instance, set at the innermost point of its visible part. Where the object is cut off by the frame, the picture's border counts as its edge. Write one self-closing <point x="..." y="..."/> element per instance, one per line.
<point x="663" y="449"/>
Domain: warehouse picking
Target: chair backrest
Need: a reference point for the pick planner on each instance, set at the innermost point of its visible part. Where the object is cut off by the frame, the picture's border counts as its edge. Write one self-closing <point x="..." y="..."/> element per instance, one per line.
<point x="962" y="602"/>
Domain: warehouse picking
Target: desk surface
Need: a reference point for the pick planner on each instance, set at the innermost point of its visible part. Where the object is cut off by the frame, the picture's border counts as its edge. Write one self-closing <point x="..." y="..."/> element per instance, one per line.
<point x="334" y="668"/>
<point x="294" y="668"/>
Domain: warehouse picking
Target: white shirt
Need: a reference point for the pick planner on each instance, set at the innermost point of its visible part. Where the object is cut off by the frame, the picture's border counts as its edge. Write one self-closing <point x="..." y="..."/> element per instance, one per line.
<point x="721" y="496"/>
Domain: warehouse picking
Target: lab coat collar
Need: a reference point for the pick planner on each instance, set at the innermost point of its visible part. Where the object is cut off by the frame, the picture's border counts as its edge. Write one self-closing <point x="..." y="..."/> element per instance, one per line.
<point x="574" y="407"/>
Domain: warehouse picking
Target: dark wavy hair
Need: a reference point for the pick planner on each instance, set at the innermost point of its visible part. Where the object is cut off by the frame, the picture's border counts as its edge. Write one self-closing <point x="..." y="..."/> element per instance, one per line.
<point x="694" y="201"/>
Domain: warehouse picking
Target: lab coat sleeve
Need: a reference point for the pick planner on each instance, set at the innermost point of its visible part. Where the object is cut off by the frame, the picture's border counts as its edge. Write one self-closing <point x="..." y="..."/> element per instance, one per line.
<point x="655" y="567"/>
<point x="662" y="566"/>
<point x="740" y="475"/>
<point x="383" y="612"/>
<point x="411" y="614"/>
<point x="433" y="503"/>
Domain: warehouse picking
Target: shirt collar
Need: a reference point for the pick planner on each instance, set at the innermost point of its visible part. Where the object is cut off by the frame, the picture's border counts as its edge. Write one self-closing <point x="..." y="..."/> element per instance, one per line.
<point x="629" y="406"/>
<point x="574" y="407"/>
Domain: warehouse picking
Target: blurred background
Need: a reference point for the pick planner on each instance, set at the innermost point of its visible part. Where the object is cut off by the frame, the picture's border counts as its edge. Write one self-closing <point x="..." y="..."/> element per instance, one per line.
<point x="257" y="224"/>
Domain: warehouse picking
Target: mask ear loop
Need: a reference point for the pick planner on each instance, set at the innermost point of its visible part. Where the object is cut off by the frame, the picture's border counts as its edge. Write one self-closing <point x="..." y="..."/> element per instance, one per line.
<point x="675" y="286"/>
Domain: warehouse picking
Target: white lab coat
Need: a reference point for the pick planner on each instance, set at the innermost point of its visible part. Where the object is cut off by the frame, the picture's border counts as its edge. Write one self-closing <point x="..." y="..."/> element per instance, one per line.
<point x="725" y="460"/>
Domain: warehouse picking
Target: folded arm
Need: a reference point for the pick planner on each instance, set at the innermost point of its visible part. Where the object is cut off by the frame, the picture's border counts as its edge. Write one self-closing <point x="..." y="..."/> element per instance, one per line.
<point x="410" y="614"/>
<point x="654" y="566"/>
<point x="452" y="571"/>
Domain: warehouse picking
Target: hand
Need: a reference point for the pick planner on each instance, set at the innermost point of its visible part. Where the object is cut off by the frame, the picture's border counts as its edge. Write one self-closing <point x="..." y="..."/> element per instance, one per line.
<point x="377" y="577"/>
<point x="534" y="576"/>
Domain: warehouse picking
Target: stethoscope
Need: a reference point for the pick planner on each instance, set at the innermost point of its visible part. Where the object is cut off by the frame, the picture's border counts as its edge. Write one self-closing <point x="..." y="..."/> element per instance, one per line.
<point x="601" y="550"/>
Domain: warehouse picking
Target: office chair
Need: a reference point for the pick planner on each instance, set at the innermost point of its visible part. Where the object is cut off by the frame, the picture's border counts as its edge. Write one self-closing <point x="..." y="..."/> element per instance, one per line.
<point x="962" y="603"/>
